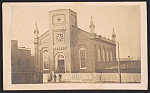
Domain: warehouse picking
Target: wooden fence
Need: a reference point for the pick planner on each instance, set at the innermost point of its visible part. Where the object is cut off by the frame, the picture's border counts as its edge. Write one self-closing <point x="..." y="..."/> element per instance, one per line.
<point x="33" y="78"/>
<point x="101" y="77"/>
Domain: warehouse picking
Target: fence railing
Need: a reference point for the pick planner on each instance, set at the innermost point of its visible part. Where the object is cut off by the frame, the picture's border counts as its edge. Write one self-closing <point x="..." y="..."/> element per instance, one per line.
<point x="33" y="78"/>
<point x="100" y="77"/>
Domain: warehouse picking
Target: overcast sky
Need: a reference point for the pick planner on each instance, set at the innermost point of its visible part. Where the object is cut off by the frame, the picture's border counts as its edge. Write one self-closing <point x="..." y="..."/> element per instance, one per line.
<point x="124" y="18"/>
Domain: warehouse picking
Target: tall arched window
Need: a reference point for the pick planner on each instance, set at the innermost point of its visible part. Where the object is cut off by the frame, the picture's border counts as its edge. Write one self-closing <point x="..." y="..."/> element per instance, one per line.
<point x="82" y="58"/>
<point x="107" y="55"/>
<point x="98" y="55"/>
<point x="103" y="54"/>
<point x="111" y="55"/>
<point x="45" y="60"/>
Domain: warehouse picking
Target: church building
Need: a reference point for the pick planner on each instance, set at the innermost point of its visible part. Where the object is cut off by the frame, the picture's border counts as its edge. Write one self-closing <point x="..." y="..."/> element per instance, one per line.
<point x="65" y="48"/>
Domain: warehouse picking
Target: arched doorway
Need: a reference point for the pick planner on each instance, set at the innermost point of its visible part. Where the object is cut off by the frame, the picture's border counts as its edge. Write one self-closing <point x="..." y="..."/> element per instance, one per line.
<point x="60" y="63"/>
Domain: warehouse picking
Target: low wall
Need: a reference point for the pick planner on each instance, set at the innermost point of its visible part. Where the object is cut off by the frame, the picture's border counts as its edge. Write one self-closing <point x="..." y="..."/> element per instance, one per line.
<point x="110" y="77"/>
<point x="100" y="77"/>
<point x="80" y="77"/>
<point x="31" y="78"/>
<point x="131" y="77"/>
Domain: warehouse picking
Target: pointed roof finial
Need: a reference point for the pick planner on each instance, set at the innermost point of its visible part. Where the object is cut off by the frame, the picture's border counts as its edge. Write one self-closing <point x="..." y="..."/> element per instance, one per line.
<point x="113" y="33"/>
<point x="91" y="22"/>
<point x="92" y="26"/>
<point x="36" y="28"/>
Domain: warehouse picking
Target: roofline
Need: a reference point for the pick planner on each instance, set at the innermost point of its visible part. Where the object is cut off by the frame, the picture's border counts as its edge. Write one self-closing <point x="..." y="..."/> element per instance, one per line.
<point x="88" y="33"/>
<point x="43" y="34"/>
<point x="62" y="9"/>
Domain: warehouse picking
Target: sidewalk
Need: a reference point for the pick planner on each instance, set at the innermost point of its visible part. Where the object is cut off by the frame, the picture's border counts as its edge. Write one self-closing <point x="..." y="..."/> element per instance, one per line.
<point x="80" y="82"/>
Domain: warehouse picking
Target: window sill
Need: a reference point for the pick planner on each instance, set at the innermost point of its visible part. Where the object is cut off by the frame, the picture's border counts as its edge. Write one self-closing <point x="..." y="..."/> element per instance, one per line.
<point x="83" y="68"/>
<point x="45" y="69"/>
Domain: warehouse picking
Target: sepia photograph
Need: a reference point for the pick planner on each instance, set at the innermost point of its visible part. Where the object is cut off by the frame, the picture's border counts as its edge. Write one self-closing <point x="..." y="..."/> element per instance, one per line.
<point x="75" y="45"/>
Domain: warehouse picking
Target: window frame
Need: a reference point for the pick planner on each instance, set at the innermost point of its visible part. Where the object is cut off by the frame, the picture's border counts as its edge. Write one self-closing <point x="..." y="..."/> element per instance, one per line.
<point x="80" y="58"/>
<point x="107" y="55"/>
<point x="43" y="60"/>
<point x="111" y="55"/>
<point x="56" y="60"/>
<point x="99" y="55"/>
<point x="103" y="55"/>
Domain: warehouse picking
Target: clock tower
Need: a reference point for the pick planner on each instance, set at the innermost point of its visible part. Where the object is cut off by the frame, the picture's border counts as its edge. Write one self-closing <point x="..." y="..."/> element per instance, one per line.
<point x="61" y="22"/>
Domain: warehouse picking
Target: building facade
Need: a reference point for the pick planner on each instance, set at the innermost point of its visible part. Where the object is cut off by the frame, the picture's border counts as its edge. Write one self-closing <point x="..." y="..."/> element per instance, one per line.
<point x="65" y="48"/>
<point x="22" y="63"/>
<point x="21" y="58"/>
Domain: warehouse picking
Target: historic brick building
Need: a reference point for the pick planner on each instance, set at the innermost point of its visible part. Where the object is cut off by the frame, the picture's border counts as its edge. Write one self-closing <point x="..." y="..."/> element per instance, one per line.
<point x="22" y="63"/>
<point x="21" y="59"/>
<point x="65" y="48"/>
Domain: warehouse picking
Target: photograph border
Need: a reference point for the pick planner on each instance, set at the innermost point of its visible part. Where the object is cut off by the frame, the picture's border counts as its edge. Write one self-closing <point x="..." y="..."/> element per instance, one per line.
<point x="6" y="15"/>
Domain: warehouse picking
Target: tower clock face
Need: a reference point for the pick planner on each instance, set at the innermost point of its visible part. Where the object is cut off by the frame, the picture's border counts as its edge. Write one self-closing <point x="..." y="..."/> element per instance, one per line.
<point x="60" y="37"/>
<point x="59" y="19"/>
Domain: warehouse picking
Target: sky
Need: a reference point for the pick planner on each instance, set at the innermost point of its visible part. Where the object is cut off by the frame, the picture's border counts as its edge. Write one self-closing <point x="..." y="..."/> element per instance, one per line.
<point x="125" y="19"/>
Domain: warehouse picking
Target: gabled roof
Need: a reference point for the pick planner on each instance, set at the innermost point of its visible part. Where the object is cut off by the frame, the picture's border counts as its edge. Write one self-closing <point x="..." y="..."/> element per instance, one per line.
<point x="81" y="30"/>
<point x="44" y="34"/>
<point x="96" y="37"/>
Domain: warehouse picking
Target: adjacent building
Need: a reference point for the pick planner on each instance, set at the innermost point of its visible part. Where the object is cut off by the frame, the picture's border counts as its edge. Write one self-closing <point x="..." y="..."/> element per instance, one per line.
<point x="22" y="63"/>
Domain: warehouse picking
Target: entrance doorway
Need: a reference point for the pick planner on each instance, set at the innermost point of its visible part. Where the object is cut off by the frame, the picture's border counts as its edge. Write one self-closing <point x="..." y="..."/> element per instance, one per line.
<point x="60" y="63"/>
<point x="61" y="66"/>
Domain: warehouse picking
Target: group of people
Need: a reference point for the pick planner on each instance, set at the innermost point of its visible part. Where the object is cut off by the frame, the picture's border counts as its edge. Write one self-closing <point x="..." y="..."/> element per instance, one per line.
<point x="60" y="77"/>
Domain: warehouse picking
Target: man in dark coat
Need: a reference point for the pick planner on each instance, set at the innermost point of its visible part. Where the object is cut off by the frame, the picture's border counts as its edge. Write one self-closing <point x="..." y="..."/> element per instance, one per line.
<point x="55" y="78"/>
<point x="60" y="77"/>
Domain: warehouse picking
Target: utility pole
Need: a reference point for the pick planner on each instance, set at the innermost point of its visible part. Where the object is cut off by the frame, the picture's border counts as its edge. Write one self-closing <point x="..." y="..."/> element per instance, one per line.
<point x="119" y="64"/>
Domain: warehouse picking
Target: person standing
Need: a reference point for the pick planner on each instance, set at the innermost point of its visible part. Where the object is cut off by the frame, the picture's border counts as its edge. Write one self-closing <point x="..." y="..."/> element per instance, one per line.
<point x="60" y="77"/>
<point x="55" y="78"/>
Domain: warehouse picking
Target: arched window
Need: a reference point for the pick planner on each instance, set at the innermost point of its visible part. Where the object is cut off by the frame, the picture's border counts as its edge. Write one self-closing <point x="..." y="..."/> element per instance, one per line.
<point x="82" y="58"/>
<point x="111" y="55"/>
<point x="98" y="55"/>
<point x="103" y="54"/>
<point x="45" y="60"/>
<point x="107" y="55"/>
